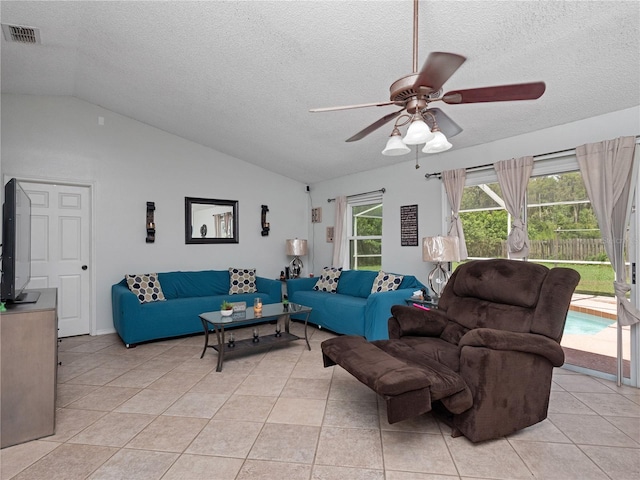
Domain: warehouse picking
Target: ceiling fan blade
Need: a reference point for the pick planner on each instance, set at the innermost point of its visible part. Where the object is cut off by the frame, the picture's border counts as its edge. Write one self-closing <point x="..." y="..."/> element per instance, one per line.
<point x="437" y="69"/>
<point x="374" y="126"/>
<point x="502" y="93"/>
<point x="446" y="125"/>
<point x="348" y="107"/>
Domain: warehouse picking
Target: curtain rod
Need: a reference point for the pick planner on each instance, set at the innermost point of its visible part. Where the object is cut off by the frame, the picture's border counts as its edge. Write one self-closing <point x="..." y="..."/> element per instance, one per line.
<point x="542" y="156"/>
<point x="382" y="190"/>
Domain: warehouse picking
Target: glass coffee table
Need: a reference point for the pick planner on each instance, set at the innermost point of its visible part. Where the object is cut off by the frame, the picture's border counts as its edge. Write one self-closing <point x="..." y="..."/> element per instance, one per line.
<point x="270" y="311"/>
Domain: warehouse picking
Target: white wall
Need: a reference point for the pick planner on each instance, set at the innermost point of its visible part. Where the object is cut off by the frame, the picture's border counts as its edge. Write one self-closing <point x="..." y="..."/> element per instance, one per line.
<point x="129" y="163"/>
<point x="407" y="185"/>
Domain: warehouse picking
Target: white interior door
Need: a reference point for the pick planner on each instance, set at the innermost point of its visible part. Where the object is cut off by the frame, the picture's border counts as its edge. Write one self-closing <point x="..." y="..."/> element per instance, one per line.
<point x="60" y="250"/>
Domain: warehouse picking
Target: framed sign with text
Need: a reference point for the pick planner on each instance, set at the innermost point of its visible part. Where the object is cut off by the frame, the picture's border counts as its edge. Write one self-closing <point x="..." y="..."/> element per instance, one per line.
<point x="409" y="225"/>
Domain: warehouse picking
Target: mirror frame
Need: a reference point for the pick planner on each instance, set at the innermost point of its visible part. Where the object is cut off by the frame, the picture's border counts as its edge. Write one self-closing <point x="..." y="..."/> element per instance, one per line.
<point x="188" y="227"/>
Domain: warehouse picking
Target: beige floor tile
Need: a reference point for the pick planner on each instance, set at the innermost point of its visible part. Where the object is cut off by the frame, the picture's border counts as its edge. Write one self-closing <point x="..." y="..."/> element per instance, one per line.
<point x="610" y="404"/>
<point x="630" y="426"/>
<point x="391" y="475"/>
<point x="113" y="430"/>
<point x="68" y="372"/>
<point x="219" y="383"/>
<point x="591" y="430"/>
<point x="490" y="459"/>
<point x="137" y="378"/>
<point x="618" y="463"/>
<point x="306" y="388"/>
<point x="226" y="438"/>
<point x="326" y="472"/>
<point x="183" y="351"/>
<point x="581" y="383"/>
<point x="168" y="434"/>
<point x="152" y="402"/>
<point x="264" y="470"/>
<point x="164" y="364"/>
<point x="274" y="367"/>
<point x="557" y="461"/>
<point x="312" y="371"/>
<point x="565" y="402"/>
<point x="67" y="393"/>
<point x="175" y="381"/>
<point x="286" y="443"/>
<point x="351" y="390"/>
<point x="201" y="405"/>
<point x="406" y="451"/>
<point x="544" y="431"/>
<point x="250" y="408"/>
<point x="350" y="447"/>
<point x="70" y="421"/>
<point x="104" y="398"/>
<point x="195" y="365"/>
<point x="123" y="361"/>
<point x="200" y="467"/>
<point x="298" y="411"/>
<point x="69" y="462"/>
<point x="135" y="464"/>
<point x="261" y="385"/>
<point x="345" y="414"/>
<point x="18" y="457"/>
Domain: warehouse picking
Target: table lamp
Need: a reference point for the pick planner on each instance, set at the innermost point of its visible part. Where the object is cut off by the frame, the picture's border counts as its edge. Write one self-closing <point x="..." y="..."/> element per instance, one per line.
<point x="296" y="248"/>
<point x="439" y="250"/>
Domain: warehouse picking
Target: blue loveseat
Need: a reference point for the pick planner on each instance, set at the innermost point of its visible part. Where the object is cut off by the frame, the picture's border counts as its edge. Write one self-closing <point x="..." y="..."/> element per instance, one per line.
<point x="188" y="294"/>
<point x="353" y="309"/>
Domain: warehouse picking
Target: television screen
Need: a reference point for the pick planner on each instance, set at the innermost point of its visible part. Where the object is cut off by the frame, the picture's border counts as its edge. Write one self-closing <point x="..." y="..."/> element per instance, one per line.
<point x="16" y="242"/>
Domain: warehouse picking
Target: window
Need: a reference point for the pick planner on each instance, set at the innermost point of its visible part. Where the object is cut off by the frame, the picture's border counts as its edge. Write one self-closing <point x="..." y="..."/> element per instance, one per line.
<point x="365" y="234"/>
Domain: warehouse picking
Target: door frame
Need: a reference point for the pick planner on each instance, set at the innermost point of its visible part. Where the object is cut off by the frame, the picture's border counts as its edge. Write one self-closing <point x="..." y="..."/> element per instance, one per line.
<point x="93" y="328"/>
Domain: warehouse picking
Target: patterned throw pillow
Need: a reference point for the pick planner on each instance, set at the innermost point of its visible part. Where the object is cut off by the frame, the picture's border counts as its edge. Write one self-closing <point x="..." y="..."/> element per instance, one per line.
<point x="146" y="287"/>
<point x="242" y="280"/>
<point x="328" y="281"/>
<point x="386" y="282"/>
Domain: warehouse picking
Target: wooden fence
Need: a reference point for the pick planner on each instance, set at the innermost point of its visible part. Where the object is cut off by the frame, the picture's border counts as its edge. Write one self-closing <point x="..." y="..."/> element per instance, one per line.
<point x="585" y="249"/>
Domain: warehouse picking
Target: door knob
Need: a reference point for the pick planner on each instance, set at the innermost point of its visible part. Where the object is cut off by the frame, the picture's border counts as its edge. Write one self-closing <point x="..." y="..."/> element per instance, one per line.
<point x="84" y="267"/>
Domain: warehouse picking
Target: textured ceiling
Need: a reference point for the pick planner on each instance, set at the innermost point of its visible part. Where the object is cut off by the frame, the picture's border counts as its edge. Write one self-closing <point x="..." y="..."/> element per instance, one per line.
<point x="240" y="76"/>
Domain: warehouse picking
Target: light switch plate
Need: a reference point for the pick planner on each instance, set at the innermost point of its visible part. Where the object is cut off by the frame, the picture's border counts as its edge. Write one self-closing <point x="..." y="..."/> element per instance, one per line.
<point x="329" y="234"/>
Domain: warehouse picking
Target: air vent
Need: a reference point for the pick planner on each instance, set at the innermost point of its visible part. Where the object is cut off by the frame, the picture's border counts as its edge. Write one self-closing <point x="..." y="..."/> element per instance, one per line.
<point x="21" y="34"/>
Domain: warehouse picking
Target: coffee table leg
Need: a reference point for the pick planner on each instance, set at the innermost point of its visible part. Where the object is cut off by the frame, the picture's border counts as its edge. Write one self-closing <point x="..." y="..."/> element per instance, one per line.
<point x="220" y="335"/>
<point x="306" y="339"/>
<point x="206" y="336"/>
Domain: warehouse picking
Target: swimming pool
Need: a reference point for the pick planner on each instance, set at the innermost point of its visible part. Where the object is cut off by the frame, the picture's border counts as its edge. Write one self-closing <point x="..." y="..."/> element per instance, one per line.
<point x="579" y="323"/>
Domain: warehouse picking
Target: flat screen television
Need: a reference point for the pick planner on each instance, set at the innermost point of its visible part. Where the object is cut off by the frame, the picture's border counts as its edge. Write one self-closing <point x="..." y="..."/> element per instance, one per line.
<point x="16" y="245"/>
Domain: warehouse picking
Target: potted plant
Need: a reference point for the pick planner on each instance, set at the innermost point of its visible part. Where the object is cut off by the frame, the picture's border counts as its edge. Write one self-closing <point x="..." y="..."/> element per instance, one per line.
<point x="226" y="308"/>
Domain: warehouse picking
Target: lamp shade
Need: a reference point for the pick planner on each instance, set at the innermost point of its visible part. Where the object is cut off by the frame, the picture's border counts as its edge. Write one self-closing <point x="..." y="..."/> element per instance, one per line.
<point x="418" y="132"/>
<point x="439" y="143"/>
<point x="440" y="249"/>
<point x="296" y="247"/>
<point x="395" y="146"/>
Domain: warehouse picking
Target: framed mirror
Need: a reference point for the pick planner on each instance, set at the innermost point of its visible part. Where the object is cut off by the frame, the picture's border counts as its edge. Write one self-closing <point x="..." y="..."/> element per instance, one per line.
<point x="208" y="220"/>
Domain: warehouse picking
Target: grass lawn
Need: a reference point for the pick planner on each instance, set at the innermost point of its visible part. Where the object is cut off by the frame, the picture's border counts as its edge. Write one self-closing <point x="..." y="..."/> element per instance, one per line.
<point x="595" y="279"/>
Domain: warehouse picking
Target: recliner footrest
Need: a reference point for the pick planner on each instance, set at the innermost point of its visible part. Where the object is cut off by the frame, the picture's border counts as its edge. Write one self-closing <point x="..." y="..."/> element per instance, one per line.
<point x="406" y="386"/>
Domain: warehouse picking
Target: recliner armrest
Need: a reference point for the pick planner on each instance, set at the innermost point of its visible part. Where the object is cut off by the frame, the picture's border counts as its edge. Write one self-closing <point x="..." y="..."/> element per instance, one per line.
<point x="514" y="341"/>
<point x="416" y="322"/>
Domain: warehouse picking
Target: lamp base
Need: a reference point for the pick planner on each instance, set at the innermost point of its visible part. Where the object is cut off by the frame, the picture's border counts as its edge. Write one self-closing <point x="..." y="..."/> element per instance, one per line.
<point x="295" y="267"/>
<point x="438" y="278"/>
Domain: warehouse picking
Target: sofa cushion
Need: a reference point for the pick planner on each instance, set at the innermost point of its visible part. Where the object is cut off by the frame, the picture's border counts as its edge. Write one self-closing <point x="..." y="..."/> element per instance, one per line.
<point x="146" y="287"/>
<point x="386" y="282"/>
<point x="328" y="281"/>
<point x="356" y="283"/>
<point x="242" y="280"/>
<point x="194" y="284"/>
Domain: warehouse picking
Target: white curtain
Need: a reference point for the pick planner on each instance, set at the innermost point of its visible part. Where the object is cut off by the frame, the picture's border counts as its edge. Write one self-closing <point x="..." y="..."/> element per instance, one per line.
<point x="513" y="177"/>
<point x="340" y="247"/>
<point x="454" y="187"/>
<point x="609" y="174"/>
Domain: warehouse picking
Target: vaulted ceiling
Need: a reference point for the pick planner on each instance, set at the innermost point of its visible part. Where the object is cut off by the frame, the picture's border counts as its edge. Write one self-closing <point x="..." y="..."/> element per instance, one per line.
<point x="240" y="76"/>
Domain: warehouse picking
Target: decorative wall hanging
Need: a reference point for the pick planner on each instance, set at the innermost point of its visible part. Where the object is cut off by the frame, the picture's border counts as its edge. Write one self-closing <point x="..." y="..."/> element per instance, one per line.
<point x="151" y="225"/>
<point x="409" y="225"/>
<point x="265" y="224"/>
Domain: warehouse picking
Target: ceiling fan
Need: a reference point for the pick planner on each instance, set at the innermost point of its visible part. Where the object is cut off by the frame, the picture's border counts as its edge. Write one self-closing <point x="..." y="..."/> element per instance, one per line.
<point x="416" y="91"/>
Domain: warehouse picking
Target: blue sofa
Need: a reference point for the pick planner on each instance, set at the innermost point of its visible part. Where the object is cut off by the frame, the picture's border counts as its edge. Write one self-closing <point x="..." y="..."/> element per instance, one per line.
<point x="353" y="310"/>
<point x="188" y="294"/>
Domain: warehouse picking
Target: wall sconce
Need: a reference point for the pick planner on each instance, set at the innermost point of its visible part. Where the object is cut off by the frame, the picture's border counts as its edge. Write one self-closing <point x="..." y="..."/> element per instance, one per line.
<point x="439" y="250"/>
<point x="151" y="225"/>
<point x="297" y="248"/>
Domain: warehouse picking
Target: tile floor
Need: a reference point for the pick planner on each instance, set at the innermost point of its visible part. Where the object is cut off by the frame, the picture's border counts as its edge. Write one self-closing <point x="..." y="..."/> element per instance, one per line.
<point x="160" y="412"/>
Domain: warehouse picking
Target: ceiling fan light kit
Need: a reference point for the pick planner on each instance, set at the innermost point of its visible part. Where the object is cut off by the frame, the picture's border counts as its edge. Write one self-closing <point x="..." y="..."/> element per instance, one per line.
<point x="414" y="93"/>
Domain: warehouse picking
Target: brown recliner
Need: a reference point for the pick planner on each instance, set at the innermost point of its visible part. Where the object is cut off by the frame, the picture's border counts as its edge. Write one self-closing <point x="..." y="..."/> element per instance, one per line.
<point x="494" y="338"/>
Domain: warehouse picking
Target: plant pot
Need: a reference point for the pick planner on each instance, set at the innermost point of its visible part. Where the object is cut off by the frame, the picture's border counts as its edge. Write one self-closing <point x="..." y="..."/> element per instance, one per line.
<point x="226" y="313"/>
